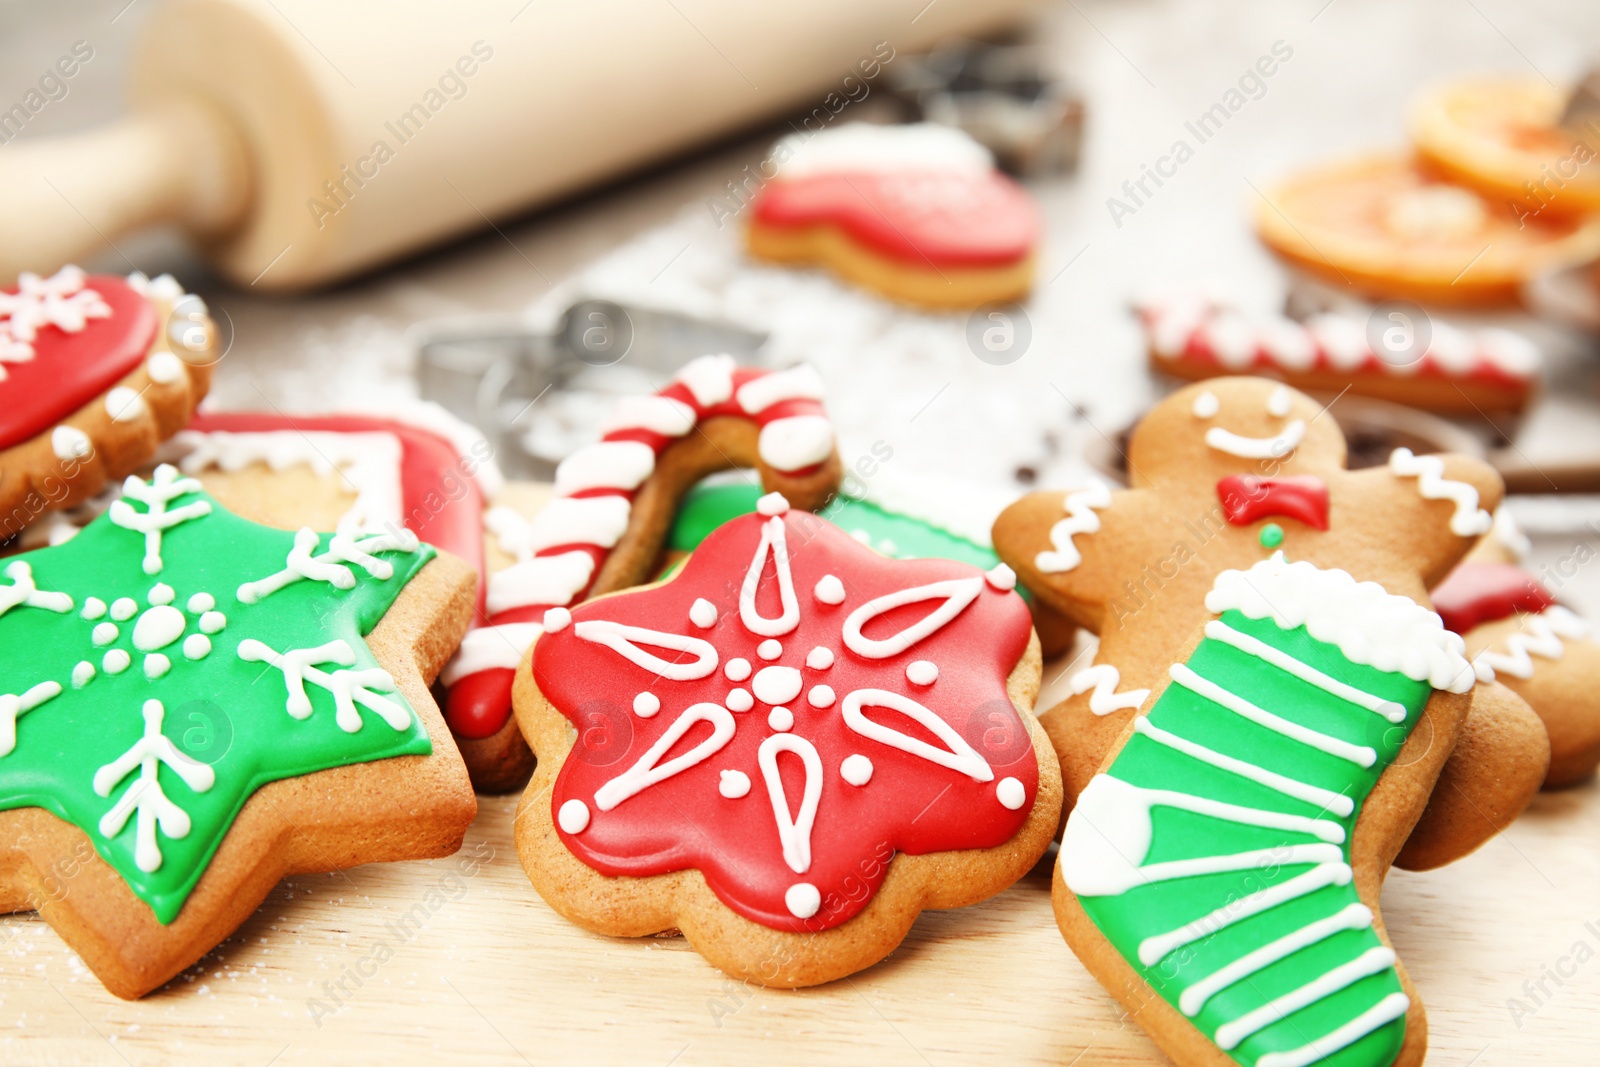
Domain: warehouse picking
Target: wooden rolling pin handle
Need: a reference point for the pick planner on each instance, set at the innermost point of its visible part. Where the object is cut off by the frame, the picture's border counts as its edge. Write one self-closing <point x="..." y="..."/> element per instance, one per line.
<point x="65" y="199"/>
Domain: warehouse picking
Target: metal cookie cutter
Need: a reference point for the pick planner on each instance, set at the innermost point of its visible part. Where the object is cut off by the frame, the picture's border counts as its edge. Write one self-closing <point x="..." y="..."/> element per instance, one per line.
<point x="537" y="395"/>
<point x="1005" y="96"/>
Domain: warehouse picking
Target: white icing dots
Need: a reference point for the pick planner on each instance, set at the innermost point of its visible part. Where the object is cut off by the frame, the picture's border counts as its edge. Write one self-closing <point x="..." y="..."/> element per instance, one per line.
<point x="556" y="620"/>
<point x="573" y="817"/>
<point x="819" y="658"/>
<point x="69" y="442"/>
<point x="773" y="504"/>
<point x="703" y="613"/>
<point x="1206" y="405"/>
<point x="781" y="719"/>
<point x="116" y="661"/>
<point x="646" y="705"/>
<point x="156" y="665"/>
<point x="922" y="672"/>
<point x="93" y="608"/>
<point x="769" y="649"/>
<point x="196" y="646"/>
<point x="201" y="603"/>
<point x="105" y="633"/>
<point x="734" y="784"/>
<point x="821" y="696"/>
<point x="776" y="685"/>
<point x="123" y="608"/>
<point x="124" y="405"/>
<point x="158" y="627"/>
<point x="161" y="593"/>
<point x="212" y="621"/>
<point x="856" y="769"/>
<point x="1281" y="402"/>
<point x="82" y="674"/>
<point x="1002" y="577"/>
<point x="164" y="367"/>
<point x="1010" y="793"/>
<point x="803" y="899"/>
<point x="830" y="590"/>
<point x="737" y="669"/>
<point x="740" y="700"/>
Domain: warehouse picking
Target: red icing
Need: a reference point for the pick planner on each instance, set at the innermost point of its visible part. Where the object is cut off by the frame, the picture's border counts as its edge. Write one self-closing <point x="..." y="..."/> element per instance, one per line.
<point x="475" y="706"/>
<point x="1476" y="593"/>
<point x="68" y="370"/>
<point x="921" y="217"/>
<point x="1247" y="498"/>
<point x="482" y="710"/>
<point x="911" y="804"/>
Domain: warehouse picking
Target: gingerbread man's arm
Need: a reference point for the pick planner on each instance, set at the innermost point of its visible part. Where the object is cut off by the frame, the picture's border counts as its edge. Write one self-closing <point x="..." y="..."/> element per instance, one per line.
<point x="1432" y="509"/>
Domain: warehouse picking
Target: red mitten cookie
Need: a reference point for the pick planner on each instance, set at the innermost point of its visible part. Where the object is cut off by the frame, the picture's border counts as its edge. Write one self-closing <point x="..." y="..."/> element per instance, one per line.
<point x="917" y="213"/>
<point x="95" y="372"/>
<point x="786" y="751"/>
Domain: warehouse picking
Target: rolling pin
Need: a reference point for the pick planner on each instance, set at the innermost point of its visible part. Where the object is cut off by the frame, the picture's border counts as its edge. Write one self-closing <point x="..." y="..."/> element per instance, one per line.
<point x="299" y="142"/>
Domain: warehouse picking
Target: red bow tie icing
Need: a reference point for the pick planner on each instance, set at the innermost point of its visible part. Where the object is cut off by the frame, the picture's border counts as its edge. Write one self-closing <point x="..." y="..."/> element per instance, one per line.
<point x="1476" y="593"/>
<point x="787" y="712"/>
<point x="1248" y="498"/>
<point x="63" y="341"/>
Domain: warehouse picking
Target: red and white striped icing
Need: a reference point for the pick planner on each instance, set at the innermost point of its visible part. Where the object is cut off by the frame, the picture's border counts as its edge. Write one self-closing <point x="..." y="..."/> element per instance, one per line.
<point x="1201" y="328"/>
<point x="562" y="549"/>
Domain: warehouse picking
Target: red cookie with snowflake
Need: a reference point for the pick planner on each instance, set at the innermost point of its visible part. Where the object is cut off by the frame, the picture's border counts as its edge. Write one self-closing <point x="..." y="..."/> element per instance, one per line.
<point x="786" y="751"/>
<point x="95" y="372"/>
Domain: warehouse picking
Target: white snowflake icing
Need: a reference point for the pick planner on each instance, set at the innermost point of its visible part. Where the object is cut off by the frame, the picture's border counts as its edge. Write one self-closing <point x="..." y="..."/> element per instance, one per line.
<point x="349" y="688"/>
<point x="156" y="519"/>
<point x="59" y="300"/>
<point x="329" y="565"/>
<point x="145" y="798"/>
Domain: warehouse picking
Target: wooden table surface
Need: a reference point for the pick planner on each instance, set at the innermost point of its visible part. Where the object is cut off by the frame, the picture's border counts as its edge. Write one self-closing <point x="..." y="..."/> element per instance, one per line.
<point x="1503" y="946"/>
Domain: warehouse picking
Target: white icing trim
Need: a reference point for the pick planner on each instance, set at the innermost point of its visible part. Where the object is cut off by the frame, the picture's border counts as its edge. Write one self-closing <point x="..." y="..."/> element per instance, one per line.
<point x="1206" y="405"/>
<point x="1510" y="535"/>
<point x="1361" y="755"/>
<point x="800" y="382"/>
<point x="796" y="442"/>
<point x="1389" y="709"/>
<point x="330" y="564"/>
<point x="1104" y="679"/>
<point x="145" y="799"/>
<point x="648" y="771"/>
<point x="23" y="592"/>
<point x="155" y="520"/>
<point x="589" y="520"/>
<point x="371" y="687"/>
<point x="957" y="593"/>
<point x="1350" y="917"/>
<point x="13" y="706"/>
<point x="658" y="414"/>
<point x="1380" y="1014"/>
<point x="1257" y="447"/>
<point x="1081" y="519"/>
<point x="959" y="756"/>
<point x="540" y="580"/>
<point x="1153" y="949"/>
<point x="794" y="831"/>
<point x="1370" y="962"/>
<point x="708" y="378"/>
<point x="620" y="465"/>
<point x="1468" y="520"/>
<point x="774" y="543"/>
<point x="1539" y="635"/>
<point x="1370" y="625"/>
<point x="489" y="647"/>
<point x="621" y="638"/>
<point x="70" y="443"/>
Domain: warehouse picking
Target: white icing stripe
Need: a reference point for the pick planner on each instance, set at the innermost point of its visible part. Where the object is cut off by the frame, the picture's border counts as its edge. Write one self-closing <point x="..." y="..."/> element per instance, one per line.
<point x="1080" y="519"/>
<point x="709" y="379"/>
<point x="794" y="831"/>
<point x="959" y="756"/>
<point x="13" y="706"/>
<point x="1104" y="679"/>
<point x="658" y="414"/>
<point x="625" y="639"/>
<point x="774" y="544"/>
<point x="1154" y="949"/>
<point x="1362" y="755"/>
<point x="1389" y="709"/>
<point x="1351" y="917"/>
<point x="1539" y="635"/>
<point x="553" y="580"/>
<point x="1370" y="962"/>
<point x="1325" y="799"/>
<point x="606" y="465"/>
<point x="1380" y="1014"/>
<point x="796" y="383"/>
<point x="1369" y="624"/>
<point x="1468" y="520"/>
<point x="1257" y="447"/>
<point x="796" y="442"/>
<point x="1284" y="855"/>
<point x="590" y="520"/>
<point x="489" y="647"/>
<point x="1324" y="829"/>
<point x="649" y="770"/>
<point x="956" y="593"/>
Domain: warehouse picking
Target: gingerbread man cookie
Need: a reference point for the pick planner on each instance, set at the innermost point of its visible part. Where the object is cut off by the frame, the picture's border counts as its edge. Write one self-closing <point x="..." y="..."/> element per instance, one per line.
<point x="786" y="751"/>
<point x="918" y="213"/>
<point x="95" y="372"/>
<point x="1517" y="633"/>
<point x="1270" y="708"/>
<point x="196" y="705"/>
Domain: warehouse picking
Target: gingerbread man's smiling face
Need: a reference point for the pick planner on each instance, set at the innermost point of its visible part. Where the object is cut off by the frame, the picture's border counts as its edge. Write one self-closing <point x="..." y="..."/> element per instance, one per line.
<point x="1234" y="426"/>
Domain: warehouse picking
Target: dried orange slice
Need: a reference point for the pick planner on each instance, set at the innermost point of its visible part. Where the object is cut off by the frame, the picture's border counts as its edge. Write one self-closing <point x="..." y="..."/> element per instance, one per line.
<point x="1388" y="228"/>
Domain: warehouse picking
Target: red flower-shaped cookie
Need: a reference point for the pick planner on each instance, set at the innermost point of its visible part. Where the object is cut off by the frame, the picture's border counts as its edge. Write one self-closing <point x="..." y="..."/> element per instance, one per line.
<point x="786" y="714"/>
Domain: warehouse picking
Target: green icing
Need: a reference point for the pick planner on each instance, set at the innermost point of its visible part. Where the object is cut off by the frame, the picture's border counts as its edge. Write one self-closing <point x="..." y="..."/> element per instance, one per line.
<point x="1157" y="907"/>
<point x="221" y="711"/>
<point x="899" y="536"/>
